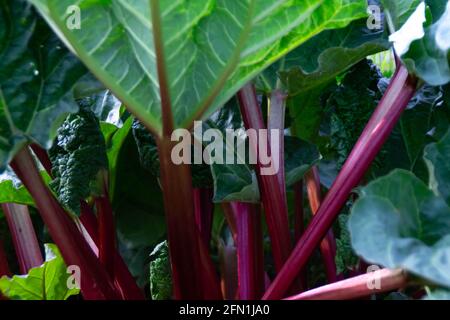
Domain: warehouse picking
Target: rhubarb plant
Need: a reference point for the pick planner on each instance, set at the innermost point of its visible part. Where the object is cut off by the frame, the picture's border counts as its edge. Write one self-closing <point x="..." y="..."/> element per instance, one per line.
<point x="213" y="149"/>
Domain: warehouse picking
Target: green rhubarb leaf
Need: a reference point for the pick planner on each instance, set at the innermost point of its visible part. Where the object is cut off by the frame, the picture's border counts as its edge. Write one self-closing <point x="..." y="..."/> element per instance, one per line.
<point x="38" y="78"/>
<point x="398" y="11"/>
<point x="78" y="157"/>
<point x="436" y="156"/>
<point x="322" y="58"/>
<point x="351" y="105"/>
<point x="424" y="49"/>
<point x="149" y="157"/>
<point x="299" y="157"/>
<point x="50" y="281"/>
<point x="137" y="199"/>
<point x="160" y="273"/>
<point x="211" y="48"/>
<point x="234" y="181"/>
<point x="399" y="222"/>
<point x="13" y="191"/>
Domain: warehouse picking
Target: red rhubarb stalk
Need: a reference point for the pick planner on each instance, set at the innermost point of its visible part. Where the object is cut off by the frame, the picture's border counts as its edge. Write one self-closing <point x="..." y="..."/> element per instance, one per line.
<point x="328" y="244"/>
<point x="204" y="209"/>
<point x="250" y="250"/>
<point x="275" y="206"/>
<point x="299" y="226"/>
<point x="228" y="270"/>
<point x="95" y="283"/>
<point x="106" y="230"/>
<point x="4" y="265"/>
<point x="380" y="281"/>
<point x="23" y="236"/>
<point x="395" y="100"/>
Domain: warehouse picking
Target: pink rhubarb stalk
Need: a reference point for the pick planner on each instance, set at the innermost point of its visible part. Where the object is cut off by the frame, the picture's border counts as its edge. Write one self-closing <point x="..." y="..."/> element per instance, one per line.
<point x="250" y="250"/>
<point x="23" y="235"/>
<point x="204" y="209"/>
<point x="273" y="199"/>
<point x="380" y="281"/>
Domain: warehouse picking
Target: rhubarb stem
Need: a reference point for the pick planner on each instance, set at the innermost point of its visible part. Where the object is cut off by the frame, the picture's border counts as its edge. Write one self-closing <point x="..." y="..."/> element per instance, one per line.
<point x="395" y="100"/>
<point x="204" y="209"/>
<point x="275" y="206"/>
<point x="187" y="249"/>
<point x="95" y="283"/>
<point x="23" y="235"/>
<point x="328" y="244"/>
<point x="380" y="281"/>
<point x="250" y="250"/>
<point x="123" y="278"/>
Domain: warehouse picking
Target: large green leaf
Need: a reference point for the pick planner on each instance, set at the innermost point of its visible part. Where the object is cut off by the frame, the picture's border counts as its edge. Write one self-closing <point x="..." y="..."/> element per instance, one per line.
<point x="37" y="80"/>
<point x="321" y="59"/>
<point x="308" y="70"/>
<point x="399" y="221"/>
<point x="211" y="48"/>
<point x="46" y="282"/>
<point x="437" y="158"/>
<point x="13" y="191"/>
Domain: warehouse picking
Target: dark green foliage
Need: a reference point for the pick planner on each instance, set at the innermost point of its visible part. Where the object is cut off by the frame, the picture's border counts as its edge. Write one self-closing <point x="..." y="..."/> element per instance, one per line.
<point x="345" y="257"/>
<point x="160" y="273"/>
<point x="352" y="104"/>
<point x="78" y="156"/>
<point x="149" y="158"/>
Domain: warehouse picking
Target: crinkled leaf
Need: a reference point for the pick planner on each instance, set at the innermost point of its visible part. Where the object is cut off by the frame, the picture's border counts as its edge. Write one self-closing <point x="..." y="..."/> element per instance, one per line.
<point x="211" y="48"/>
<point x="37" y="80"/>
<point x="160" y="273"/>
<point x="78" y="157"/>
<point x="345" y="256"/>
<point x="46" y="282"/>
<point x="399" y="222"/>
<point x="351" y="104"/>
